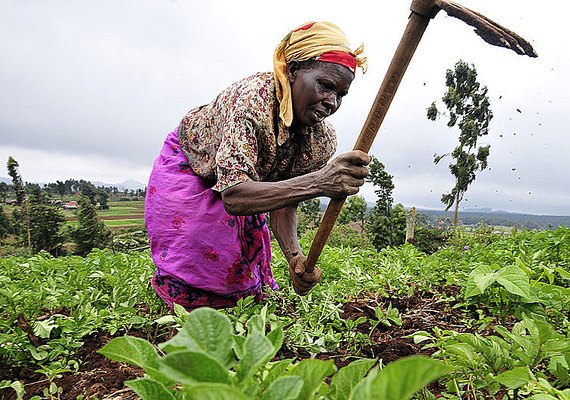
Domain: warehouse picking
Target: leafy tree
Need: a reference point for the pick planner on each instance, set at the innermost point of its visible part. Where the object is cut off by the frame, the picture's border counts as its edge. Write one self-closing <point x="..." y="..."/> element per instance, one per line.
<point x="353" y="210"/>
<point x="45" y="223"/>
<point x="91" y="232"/>
<point x="308" y="215"/>
<point x="21" y="197"/>
<point x="4" y="190"/>
<point x="468" y="107"/>
<point x="387" y="223"/>
<point x="60" y="188"/>
<point x="4" y="227"/>
<point x="383" y="186"/>
<point x="89" y="190"/>
<point x="102" y="198"/>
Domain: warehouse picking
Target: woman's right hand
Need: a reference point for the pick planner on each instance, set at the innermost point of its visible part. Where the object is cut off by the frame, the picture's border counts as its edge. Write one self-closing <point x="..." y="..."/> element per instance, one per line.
<point x="344" y="175"/>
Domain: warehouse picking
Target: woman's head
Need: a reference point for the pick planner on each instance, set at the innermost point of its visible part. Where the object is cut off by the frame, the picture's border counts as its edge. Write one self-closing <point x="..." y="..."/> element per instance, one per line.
<point x="317" y="89"/>
<point x="318" y="57"/>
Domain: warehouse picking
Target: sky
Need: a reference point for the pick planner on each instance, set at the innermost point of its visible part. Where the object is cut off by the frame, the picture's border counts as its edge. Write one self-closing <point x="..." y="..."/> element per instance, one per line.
<point x="89" y="90"/>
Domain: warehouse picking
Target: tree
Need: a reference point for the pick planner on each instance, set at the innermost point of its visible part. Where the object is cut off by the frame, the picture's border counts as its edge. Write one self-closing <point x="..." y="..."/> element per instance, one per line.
<point x="4" y="227"/>
<point x="308" y="215"/>
<point x="21" y="197"/>
<point x="353" y="210"/>
<point x="91" y="232"/>
<point x="89" y="190"/>
<point x="4" y="189"/>
<point x="387" y="223"/>
<point x="45" y="223"/>
<point x="468" y="107"/>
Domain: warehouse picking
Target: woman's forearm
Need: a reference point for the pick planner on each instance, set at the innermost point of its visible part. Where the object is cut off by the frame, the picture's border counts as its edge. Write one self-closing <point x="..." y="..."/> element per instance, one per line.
<point x="284" y="228"/>
<point x="340" y="178"/>
<point x="249" y="198"/>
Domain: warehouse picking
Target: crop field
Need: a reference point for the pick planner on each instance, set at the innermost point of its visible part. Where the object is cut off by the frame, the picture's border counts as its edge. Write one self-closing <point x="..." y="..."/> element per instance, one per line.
<point x="485" y="317"/>
<point x="120" y="215"/>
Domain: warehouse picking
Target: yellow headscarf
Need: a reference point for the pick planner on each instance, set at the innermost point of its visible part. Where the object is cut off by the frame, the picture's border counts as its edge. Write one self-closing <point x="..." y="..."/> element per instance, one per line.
<point x="305" y="43"/>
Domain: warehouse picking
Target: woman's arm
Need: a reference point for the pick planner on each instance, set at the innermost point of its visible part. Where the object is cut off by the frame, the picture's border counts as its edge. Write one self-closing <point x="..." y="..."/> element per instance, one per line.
<point x="340" y="178"/>
<point x="284" y="227"/>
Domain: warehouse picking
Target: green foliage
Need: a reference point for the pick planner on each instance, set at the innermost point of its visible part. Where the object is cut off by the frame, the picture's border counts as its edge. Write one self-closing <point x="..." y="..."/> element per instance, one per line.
<point x="429" y="240"/>
<point x="514" y="300"/>
<point x="386" y="223"/>
<point x="17" y="183"/>
<point x="91" y="232"/>
<point x="206" y="360"/>
<point x="4" y="223"/>
<point x="66" y="298"/>
<point x="387" y="230"/>
<point x="340" y="236"/>
<point x="308" y="215"/>
<point x="46" y="221"/>
<point x="468" y="107"/>
<point x="354" y="210"/>
<point x="511" y="360"/>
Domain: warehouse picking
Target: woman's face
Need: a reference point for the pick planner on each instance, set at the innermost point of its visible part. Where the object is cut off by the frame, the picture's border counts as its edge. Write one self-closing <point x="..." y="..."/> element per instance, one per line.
<point x="317" y="92"/>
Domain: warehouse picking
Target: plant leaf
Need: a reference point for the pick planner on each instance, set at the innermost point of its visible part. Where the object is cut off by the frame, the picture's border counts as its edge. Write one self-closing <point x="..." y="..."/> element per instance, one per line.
<point x="275" y="371"/>
<point x="400" y="379"/>
<point x="284" y="388"/>
<point x="515" y="378"/>
<point x="313" y="372"/>
<point x="149" y="389"/>
<point x="188" y="367"/>
<point x="346" y="379"/>
<point x="479" y="279"/>
<point x="257" y="350"/>
<point x="515" y="281"/>
<point x="207" y="331"/>
<point x="135" y="351"/>
<point x="212" y="391"/>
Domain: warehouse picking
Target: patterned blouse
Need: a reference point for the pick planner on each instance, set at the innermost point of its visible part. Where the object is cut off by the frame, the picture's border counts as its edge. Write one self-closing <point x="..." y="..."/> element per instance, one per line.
<point x="238" y="137"/>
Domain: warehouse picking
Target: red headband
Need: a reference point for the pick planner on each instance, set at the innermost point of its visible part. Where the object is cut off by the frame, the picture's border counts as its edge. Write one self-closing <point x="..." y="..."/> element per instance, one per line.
<point x="339" y="57"/>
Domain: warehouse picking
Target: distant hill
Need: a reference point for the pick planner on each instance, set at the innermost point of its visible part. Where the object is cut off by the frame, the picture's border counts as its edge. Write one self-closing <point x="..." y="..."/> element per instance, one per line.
<point x="502" y="218"/>
<point x="488" y="216"/>
<point x="129" y="184"/>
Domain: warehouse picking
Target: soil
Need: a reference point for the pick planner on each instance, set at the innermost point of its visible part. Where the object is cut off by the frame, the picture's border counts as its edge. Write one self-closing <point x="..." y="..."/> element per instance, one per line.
<point x="102" y="379"/>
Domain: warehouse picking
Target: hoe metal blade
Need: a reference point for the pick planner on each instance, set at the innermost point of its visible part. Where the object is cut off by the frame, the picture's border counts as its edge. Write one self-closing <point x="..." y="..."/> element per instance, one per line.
<point x="488" y="30"/>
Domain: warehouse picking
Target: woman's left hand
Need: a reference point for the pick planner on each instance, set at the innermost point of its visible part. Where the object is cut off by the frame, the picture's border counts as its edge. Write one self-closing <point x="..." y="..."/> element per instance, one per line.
<point x="303" y="281"/>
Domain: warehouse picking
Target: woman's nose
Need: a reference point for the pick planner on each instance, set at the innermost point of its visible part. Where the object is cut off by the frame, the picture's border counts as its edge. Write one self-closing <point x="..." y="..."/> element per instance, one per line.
<point x="330" y="101"/>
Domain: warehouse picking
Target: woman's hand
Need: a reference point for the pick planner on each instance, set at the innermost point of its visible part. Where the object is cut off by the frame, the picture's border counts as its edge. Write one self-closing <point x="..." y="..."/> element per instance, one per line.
<point x="344" y="175"/>
<point x="303" y="282"/>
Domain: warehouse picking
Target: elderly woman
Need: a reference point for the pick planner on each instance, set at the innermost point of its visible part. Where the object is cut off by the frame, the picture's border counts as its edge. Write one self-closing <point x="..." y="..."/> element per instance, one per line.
<point x="261" y="146"/>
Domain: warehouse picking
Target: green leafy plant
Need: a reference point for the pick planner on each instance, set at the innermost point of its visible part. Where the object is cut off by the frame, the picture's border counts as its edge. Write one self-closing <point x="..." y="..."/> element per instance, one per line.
<point x="206" y="360"/>
<point x="510" y="360"/>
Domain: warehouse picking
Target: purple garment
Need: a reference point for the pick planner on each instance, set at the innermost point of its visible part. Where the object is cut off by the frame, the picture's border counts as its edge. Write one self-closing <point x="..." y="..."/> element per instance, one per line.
<point x="203" y="256"/>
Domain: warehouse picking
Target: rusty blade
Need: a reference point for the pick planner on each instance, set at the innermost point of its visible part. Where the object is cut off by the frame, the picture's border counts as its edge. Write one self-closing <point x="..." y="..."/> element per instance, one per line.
<point x="488" y="30"/>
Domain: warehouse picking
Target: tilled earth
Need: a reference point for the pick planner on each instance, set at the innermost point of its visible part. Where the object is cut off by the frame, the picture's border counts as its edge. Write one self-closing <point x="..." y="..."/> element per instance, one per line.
<point x="100" y="378"/>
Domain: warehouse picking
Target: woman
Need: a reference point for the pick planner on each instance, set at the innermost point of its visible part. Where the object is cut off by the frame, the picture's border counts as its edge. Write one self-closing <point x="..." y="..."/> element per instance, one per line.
<point x="261" y="146"/>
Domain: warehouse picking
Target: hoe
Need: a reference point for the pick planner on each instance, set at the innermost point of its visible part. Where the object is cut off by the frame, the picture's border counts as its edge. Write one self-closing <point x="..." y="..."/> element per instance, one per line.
<point x="422" y="11"/>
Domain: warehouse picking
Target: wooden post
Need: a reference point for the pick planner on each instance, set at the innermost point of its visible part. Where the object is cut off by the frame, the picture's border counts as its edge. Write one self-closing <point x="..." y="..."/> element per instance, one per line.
<point x="410" y="225"/>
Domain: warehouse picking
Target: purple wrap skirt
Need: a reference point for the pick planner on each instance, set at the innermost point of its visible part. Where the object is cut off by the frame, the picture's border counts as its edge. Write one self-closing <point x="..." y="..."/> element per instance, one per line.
<point x="203" y="256"/>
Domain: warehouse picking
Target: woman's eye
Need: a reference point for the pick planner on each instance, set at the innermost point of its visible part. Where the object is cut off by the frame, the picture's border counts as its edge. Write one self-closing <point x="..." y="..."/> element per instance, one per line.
<point x="328" y="86"/>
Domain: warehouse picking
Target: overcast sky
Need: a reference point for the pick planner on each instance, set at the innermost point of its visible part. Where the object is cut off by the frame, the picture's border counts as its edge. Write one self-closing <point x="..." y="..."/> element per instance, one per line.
<point x="89" y="90"/>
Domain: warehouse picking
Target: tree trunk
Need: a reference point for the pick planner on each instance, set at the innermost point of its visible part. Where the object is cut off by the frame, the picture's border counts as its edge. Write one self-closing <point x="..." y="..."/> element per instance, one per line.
<point x="456" y="209"/>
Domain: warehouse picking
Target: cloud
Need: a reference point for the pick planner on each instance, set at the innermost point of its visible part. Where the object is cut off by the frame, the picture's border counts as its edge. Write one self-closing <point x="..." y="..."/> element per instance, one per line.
<point x="93" y="90"/>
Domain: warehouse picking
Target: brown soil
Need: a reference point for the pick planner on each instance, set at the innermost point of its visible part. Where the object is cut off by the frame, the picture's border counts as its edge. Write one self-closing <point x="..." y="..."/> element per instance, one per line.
<point x="100" y="378"/>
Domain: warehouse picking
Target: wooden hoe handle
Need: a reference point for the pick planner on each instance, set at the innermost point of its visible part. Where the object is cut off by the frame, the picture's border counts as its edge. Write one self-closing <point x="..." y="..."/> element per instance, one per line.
<point x="415" y="29"/>
<point x="422" y="12"/>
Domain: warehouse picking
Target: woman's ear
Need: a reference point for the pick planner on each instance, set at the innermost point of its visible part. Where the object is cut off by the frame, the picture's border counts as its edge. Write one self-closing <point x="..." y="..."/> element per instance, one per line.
<point x="291" y="71"/>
